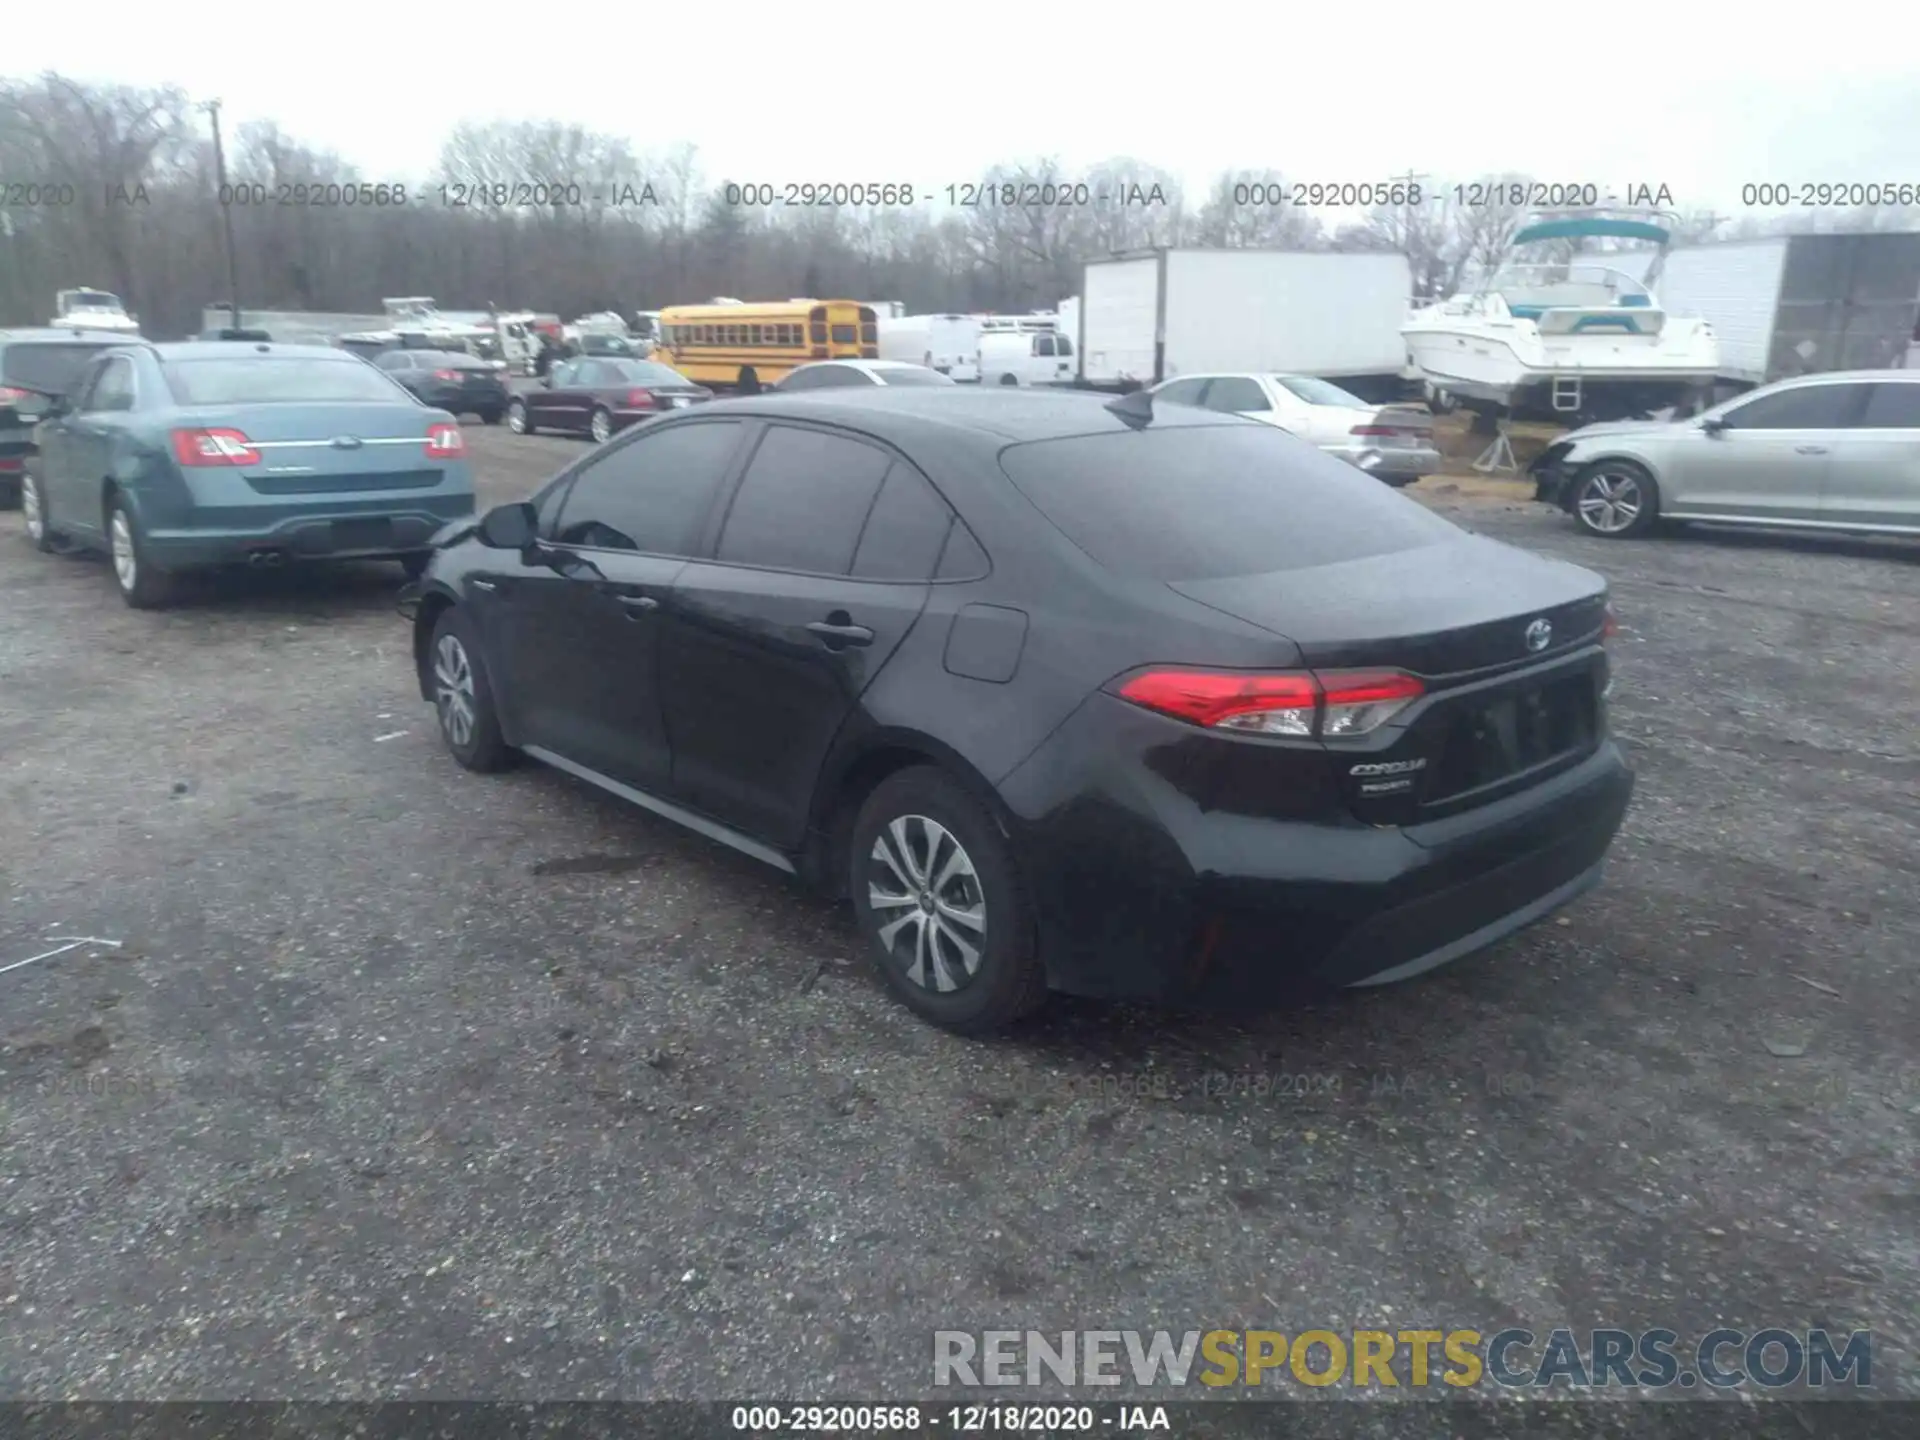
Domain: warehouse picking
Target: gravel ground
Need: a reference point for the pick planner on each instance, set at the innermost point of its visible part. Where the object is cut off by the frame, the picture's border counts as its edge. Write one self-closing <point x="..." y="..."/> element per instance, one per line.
<point x="407" y="1082"/>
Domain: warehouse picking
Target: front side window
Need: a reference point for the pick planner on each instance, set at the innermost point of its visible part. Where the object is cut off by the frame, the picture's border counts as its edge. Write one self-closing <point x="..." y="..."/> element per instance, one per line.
<point x="1181" y="392"/>
<point x="114" y="389"/>
<point x="652" y="493"/>
<point x="1235" y="394"/>
<point x="1806" y="407"/>
<point x="1893" y="407"/>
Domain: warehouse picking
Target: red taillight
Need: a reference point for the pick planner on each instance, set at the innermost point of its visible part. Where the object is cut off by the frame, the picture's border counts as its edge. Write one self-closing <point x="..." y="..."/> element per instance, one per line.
<point x="11" y="396"/>
<point x="639" y="399"/>
<point x="1610" y="625"/>
<point x="445" y="442"/>
<point x="446" y="374"/>
<point x="213" y="447"/>
<point x="11" y="464"/>
<point x="1331" y="704"/>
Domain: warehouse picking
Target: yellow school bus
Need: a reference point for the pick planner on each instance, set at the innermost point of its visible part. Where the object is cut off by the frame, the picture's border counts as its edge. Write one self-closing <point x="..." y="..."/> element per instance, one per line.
<point x="746" y="346"/>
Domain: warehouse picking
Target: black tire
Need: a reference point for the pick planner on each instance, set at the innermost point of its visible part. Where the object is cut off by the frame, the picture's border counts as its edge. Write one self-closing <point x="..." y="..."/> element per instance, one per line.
<point x="1009" y="379"/>
<point x="491" y="417"/>
<point x="1605" y="489"/>
<point x="10" y="495"/>
<point x="478" y="745"/>
<point x="1008" y="981"/>
<point x="600" y="425"/>
<point x="519" y="421"/>
<point x="415" y="564"/>
<point x="33" y="508"/>
<point x="150" y="588"/>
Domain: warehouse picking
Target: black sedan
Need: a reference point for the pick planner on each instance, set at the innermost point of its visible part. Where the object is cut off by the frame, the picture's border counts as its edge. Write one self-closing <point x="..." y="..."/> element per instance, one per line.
<point x="601" y="397"/>
<point x="448" y="380"/>
<point x="1060" y="692"/>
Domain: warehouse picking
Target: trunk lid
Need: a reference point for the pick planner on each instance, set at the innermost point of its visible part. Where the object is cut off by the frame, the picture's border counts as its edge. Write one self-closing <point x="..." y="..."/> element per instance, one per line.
<point x="318" y="447"/>
<point x="1504" y="707"/>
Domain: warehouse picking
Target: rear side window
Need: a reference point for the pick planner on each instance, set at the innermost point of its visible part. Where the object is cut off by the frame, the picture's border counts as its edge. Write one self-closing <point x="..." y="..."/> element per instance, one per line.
<point x="906" y="529"/>
<point x="1203" y="502"/>
<point x="1810" y="407"/>
<point x="267" y="380"/>
<point x="651" y="494"/>
<point x="1893" y="407"/>
<point x="803" y="502"/>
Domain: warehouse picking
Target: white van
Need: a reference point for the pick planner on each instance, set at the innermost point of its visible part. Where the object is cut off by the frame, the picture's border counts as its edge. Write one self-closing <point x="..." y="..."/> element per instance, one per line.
<point x="1025" y="357"/>
<point x="947" y="343"/>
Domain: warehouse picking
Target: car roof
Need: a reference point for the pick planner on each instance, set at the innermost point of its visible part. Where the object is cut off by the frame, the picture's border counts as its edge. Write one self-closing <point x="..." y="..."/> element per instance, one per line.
<point x="1002" y="415"/>
<point x="48" y="335"/>
<point x="233" y="349"/>
<point x="1896" y="377"/>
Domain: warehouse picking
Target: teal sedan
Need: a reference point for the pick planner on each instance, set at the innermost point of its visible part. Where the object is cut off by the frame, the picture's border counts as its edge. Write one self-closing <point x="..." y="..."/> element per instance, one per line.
<point x="174" y="458"/>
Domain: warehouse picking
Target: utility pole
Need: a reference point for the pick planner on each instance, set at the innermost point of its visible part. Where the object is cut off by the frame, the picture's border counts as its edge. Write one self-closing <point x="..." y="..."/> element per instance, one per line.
<point x="225" y="197"/>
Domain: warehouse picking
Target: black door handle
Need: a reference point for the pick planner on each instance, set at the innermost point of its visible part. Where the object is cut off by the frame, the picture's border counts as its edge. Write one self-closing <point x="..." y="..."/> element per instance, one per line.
<point x="836" y="635"/>
<point x="639" y="604"/>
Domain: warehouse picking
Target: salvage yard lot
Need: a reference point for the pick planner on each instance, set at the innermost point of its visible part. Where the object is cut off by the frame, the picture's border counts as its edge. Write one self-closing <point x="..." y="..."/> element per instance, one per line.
<point x="405" y="1081"/>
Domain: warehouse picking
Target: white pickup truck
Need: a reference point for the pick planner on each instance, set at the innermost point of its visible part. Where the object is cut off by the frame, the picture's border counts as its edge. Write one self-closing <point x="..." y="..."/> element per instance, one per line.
<point x="87" y="309"/>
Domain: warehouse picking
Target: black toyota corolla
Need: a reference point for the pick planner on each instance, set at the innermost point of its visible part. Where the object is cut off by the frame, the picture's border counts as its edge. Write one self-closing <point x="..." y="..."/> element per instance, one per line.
<point x="1060" y="692"/>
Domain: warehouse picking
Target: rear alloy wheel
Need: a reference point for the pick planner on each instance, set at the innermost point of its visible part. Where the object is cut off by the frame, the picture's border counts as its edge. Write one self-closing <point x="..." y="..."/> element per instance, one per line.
<point x="463" y="697"/>
<point x="141" y="584"/>
<point x="517" y="419"/>
<point x="33" y="510"/>
<point x="600" y="427"/>
<point x="1616" y="499"/>
<point x="947" y="920"/>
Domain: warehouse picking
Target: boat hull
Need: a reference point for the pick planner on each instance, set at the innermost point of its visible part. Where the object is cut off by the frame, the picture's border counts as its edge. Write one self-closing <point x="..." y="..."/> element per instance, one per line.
<point x="1585" y="377"/>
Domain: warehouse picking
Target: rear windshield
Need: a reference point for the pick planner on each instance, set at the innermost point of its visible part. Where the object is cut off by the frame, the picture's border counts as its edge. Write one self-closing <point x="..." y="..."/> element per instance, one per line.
<point x="914" y="376"/>
<point x="266" y="380"/>
<point x="1207" y="501"/>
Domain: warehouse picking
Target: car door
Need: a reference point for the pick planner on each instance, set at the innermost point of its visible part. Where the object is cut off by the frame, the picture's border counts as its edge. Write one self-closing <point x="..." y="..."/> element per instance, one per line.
<point x="1873" y="477"/>
<point x="818" y="572"/>
<point x="572" y="403"/>
<point x="94" y="433"/>
<point x="53" y="464"/>
<point x="1770" y="461"/>
<point x="539" y="400"/>
<point x="579" y="637"/>
<point x="1322" y="424"/>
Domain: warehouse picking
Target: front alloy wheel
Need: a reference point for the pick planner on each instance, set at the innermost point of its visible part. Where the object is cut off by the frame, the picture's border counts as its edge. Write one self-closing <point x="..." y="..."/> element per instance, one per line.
<point x="600" y="426"/>
<point x="463" y="697"/>
<point x="453" y="691"/>
<point x="1615" y="500"/>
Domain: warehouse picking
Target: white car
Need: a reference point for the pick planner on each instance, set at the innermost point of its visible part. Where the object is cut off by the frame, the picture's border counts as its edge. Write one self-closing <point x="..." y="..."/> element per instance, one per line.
<point x="1389" y="443"/>
<point x="838" y="374"/>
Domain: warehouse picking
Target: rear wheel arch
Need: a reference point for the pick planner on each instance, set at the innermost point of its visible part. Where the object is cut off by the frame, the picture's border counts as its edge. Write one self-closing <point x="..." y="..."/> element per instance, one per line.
<point x="848" y="780"/>
<point x="433" y="605"/>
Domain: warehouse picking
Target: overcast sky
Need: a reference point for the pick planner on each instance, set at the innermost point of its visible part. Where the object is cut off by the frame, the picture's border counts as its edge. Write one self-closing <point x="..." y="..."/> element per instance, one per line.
<point x="1701" y="99"/>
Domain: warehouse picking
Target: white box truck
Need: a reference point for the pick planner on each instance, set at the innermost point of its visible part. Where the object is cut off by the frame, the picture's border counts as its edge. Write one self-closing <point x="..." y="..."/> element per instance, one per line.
<point x="1800" y="304"/>
<point x="1148" y="316"/>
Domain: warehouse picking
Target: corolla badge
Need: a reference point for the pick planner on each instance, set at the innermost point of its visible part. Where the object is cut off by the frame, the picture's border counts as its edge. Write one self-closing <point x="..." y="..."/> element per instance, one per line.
<point x="346" y="442"/>
<point x="1539" y="635"/>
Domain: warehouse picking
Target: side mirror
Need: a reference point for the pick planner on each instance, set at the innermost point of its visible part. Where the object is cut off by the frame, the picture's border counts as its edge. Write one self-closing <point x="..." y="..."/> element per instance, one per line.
<point x="546" y="381"/>
<point x="1713" y="426"/>
<point x="510" y="527"/>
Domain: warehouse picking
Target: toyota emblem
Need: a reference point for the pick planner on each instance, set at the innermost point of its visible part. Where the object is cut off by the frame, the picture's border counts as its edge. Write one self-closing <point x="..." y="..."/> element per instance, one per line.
<point x="1539" y="635"/>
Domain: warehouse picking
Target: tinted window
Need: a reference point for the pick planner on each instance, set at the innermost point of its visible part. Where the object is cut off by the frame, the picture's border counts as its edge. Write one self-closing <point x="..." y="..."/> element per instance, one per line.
<point x="1197" y="503"/>
<point x="562" y="375"/>
<point x="1234" y="393"/>
<point x="1811" y="407"/>
<point x="906" y="530"/>
<point x="914" y="375"/>
<point x="803" y="502"/>
<point x="1181" y="392"/>
<point x="1893" y="407"/>
<point x="394" y="360"/>
<point x="1062" y="345"/>
<point x="52" y="369"/>
<point x="265" y="380"/>
<point x="651" y="494"/>
<point x="114" y="389"/>
<point x="1043" y="345"/>
<point x="590" y="373"/>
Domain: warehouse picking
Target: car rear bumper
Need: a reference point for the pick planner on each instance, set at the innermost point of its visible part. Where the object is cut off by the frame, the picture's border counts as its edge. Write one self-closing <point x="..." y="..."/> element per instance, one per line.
<point x="1399" y="463"/>
<point x="1141" y="893"/>
<point x="343" y="531"/>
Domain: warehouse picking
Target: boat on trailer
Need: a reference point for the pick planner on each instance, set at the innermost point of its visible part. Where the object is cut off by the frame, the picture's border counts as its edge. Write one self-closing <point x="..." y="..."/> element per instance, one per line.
<point x="1575" y="340"/>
